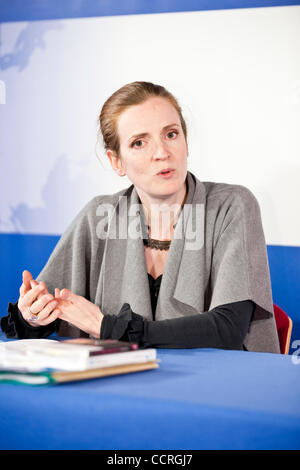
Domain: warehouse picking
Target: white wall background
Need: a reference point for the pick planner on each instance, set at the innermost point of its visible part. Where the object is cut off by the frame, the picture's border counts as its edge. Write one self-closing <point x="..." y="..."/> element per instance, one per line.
<point x="236" y="74"/>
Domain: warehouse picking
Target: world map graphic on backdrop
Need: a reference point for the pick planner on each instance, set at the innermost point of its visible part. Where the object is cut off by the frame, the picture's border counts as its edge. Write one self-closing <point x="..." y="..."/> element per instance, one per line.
<point x="60" y="195"/>
<point x="30" y="38"/>
<point x="56" y="193"/>
<point x="22" y="217"/>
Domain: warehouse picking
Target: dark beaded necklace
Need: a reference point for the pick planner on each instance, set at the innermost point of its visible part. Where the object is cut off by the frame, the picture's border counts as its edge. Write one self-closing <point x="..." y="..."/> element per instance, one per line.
<point x="157" y="244"/>
<point x="151" y="242"/>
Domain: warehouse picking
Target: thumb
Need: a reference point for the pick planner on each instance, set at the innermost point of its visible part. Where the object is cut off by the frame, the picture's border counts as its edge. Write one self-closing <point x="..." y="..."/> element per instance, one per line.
<point x="25" y="287"/>
<point x="27" y="277"/>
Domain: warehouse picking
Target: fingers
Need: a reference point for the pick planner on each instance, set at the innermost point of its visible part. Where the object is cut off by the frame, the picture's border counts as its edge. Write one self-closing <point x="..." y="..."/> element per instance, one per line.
<point x="22" y="290"/>
<point x="36" y="300"/>
<point x="45" y="317"/>
<point x="67" y="294"/>
<point x="29" y="283"/>
<point x="39" y="307"/>
<point x="57" y="293"/>
<point x="44" y="313"/>
<point x="27" y="277"/>
<point x="50" y="318"/>
<point x="34" y="283"/>
<point x="29" y="298"/>
<point x="25" y="287"/>
<point x="42" y="283"/>
<point x="41" y="303"/>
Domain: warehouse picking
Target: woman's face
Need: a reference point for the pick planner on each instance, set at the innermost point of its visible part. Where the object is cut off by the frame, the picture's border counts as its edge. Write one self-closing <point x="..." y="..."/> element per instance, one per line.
<point x="151" y="141"/>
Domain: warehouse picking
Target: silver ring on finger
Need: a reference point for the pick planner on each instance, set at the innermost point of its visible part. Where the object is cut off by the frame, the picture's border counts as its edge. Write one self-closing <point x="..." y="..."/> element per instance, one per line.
<point x="33" y="316"/>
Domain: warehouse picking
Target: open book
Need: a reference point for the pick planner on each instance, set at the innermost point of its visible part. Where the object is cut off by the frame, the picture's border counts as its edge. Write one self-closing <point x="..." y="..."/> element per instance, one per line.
<point x="42" y="361"/>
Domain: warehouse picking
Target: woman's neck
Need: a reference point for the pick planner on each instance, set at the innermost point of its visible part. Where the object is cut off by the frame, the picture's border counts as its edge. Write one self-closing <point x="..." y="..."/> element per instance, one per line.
<point x="162" y="214"/>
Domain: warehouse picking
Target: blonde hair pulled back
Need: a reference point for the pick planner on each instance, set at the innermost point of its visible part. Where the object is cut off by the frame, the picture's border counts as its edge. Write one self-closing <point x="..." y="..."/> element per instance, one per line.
<point x="130" y="95"/>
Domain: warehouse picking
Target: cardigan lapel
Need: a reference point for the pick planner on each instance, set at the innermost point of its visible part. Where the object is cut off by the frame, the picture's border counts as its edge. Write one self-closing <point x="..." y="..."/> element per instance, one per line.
<point x="124" y="273"/>
<point x="183" y="283"/>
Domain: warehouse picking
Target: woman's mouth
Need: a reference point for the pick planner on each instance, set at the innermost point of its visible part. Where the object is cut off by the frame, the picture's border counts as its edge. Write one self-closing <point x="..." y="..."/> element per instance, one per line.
<point x="167" y="173"/>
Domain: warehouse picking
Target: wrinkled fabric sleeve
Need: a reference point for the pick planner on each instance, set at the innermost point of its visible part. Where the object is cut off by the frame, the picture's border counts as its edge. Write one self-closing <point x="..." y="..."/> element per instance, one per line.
<point x="224" y="327"/>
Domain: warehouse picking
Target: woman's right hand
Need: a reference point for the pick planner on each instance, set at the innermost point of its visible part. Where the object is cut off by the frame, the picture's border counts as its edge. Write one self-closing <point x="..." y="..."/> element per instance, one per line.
<point x="36" y="304"/>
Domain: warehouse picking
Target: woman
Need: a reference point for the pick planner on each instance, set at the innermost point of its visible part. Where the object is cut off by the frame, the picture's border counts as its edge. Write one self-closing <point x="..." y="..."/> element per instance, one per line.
<point x="200" y="246"/>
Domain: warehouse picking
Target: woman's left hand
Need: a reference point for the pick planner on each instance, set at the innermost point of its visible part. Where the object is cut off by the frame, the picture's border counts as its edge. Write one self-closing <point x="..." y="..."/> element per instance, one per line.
<point x="79" y="311"/>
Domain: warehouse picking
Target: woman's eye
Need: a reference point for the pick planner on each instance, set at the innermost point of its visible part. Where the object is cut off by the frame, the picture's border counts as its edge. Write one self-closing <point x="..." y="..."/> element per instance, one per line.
<point x="172" y="134"/>
<point x="137" y="144"/>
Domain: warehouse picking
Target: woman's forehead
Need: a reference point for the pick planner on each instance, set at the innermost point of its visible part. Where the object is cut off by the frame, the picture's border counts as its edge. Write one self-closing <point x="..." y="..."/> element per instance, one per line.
<point x="154" y="114"/>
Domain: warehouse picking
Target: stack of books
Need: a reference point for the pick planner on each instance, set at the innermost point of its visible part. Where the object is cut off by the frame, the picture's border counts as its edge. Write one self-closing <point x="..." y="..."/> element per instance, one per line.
<point x="51" y="361"/>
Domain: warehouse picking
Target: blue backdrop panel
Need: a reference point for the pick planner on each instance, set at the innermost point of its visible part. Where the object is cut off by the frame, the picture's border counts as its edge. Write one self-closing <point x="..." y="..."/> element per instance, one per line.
<point x="18" y="10"/>
<point x="19" y="252"/>
<point x="284" y="264"/>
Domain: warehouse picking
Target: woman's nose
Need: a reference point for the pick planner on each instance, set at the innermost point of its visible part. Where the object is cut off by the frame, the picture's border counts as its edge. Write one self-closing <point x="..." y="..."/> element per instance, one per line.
<point x="161" y="151"/>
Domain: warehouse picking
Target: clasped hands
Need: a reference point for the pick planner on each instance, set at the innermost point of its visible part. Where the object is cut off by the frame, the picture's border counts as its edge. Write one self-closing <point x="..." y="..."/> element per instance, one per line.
<point x="39" y="307"/>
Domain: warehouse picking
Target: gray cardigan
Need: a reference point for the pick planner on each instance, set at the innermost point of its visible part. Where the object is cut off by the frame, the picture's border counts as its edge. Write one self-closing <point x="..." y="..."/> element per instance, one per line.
<point x="217" y="256"/>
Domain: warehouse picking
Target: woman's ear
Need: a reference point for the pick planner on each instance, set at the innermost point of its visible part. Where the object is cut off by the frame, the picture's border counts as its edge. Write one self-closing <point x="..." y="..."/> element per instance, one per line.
<point x="116" y="163"/>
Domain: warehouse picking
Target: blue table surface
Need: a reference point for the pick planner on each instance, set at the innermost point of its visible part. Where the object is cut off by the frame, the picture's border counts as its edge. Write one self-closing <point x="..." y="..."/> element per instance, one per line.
<point x="196" y="399"/>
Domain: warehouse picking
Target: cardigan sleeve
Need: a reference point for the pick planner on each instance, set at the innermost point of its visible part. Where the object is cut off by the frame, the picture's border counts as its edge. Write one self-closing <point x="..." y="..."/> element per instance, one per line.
<point x="224" y="327"/>
<point x="240" y="269"/>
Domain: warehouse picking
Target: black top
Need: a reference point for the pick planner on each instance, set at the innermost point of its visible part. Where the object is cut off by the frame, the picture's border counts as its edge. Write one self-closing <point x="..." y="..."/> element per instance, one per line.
<point x="154" y="285"/>
<point x="223" y="327"/>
